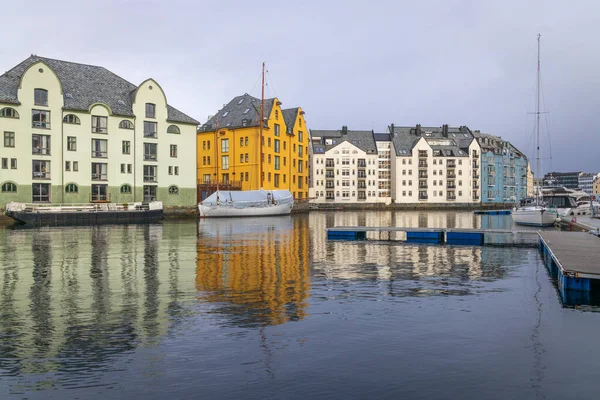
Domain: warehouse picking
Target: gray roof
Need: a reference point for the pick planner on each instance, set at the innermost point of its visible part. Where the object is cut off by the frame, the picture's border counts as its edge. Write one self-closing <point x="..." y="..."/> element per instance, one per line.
<point x="405" y="138"/>
<point x="289" y="116"/>
<point x="364" y="140"/>
<point x="83" y="85"/>
<point x="234" y="113"/>
<point x="382" y="137"/>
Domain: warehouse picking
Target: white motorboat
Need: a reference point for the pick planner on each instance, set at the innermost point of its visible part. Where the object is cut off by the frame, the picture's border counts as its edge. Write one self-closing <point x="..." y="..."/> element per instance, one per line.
<point x="246" y="203"/>
<point x="534" y="216"/>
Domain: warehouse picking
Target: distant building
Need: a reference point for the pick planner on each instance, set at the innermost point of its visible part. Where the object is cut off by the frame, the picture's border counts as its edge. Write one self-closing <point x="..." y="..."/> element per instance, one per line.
<point x="503" y="170"/>
<point x="586" y="182"/>
<point x="435" y="165"/>
<point x="570" y="180"/>
<point x="76" y="133"/>
<point x="345" y="167"/>
<point x="530" y="190"/>
<point x="596" y="185"/>
<point x="231" y="154"/>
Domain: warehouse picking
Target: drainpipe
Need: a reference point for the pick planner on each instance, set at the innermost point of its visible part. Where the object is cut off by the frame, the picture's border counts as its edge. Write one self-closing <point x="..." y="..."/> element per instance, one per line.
<point x="62" y="158"/>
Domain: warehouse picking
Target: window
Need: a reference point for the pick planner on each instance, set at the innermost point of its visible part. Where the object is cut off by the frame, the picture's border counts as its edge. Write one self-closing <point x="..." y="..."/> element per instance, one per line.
<point x="4" y="163"/>
<point x="9" y="187"/>
<point x="269" y="158"/>
<point x="300" y="166"/>
<point x="125" y="124"/>
<point x="276" y="180"/>
<point x="284" y="160"/>
<point x="99" y="148"/>
<point x="300" y="152"/>
<point x="224" y="162"/>
<point x="129" y="168"/>
<point x="8" y="112"/>
<point x="125" y="189"/>
<point x="276" y="129"/>
<point x="99" y="124"/>
<point x="149" y="193"/>
<point x="75" y="166"/>
<point x="150" y="130"/>
<point x="224" y="145"/>
<point x="13" y="163"/>
<point x="246" y="157"/>
<point x="40" y="97"/>
<point x="246" y="176"/>
<point x="41" y="169"/>
<point x="71" y="119"/>
<point x="300" y="136"/>
<point x="40" y="119"/>
<point x="149" y="173"/>
<point x="99" y="192"/>
<point x="241" y="158"/>
<point x="123" y="168"/>
<point x="40" y="192"/>
<point x="277" y="163"/>
<point x="99" y="171"/>
<point x="245" y="122"/>
<point x="208" y="145"/>
<point x="126" y="147"/>
<point x="71" y="143"/>
<point x="173" y="189"/>
<point x="40" y="144"/>
<point x="225" y="178"/>
<point x="241" y="141"/>
<point x="204" y="160"/>
<point x="276" y="145"/>
<point x="269" y="177"/>
<point x="150" y="151"/>
<point x="173" y="151"/>
<point x="170" y="170"/>
<point x="173" y="129"/>
<point x="206" y="178"/>
<point x="67" y="165"/>
<point x="269" y="142"/>
<point x="71" y="188"/>
<point x="9" y="139"/>
<point x="176" y="170"/>
<point x="150" y="110"/>
<point x="246" y="141"/>
<point x="284" y="144"/>
<point x="208" y="160"/>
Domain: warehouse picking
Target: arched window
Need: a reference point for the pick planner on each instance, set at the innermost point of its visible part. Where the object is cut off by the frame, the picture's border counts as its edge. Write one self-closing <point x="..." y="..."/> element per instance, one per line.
<point x="8" y="112"/>
<point x="173" y="189"/>
<point x="125" y="124"/>
<point x="173" y="129"/>
<point x="71" y="188"/>
<point x="9" y="187"/>
<point x="71" y="119"/>
<point x="126" y="189"/>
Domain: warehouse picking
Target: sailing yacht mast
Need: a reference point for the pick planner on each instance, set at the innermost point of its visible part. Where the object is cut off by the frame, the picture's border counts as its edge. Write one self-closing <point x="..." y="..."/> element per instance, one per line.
<point x="260" y="124"/>
<point x="538" y="159"/>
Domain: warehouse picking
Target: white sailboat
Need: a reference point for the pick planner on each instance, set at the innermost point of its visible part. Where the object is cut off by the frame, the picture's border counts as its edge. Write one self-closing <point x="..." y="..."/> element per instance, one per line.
<point x="248" y="203"/>
<point x="536" y="214"/>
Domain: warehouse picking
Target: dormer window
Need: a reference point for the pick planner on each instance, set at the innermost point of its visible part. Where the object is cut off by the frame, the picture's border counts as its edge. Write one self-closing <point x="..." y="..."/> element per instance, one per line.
<point x="240" y="101"/>
<point x="244" y="122"/>
<point x="150" y="110"/>
<point x="225" y="113"/>
<point x="40" y="97"/>
<point x="246" y="111"/>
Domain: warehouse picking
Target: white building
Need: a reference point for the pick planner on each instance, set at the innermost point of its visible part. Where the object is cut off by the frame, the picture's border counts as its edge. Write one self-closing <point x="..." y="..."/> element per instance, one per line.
<point x="435" y="165"/>
<point x="345" y="167"/>
<point x="75" y="133"/>
<point x="586" y="182"/>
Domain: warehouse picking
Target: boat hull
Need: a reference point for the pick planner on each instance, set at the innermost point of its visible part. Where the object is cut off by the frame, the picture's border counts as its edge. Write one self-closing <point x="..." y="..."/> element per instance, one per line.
<point x="225" y="211"/>
<point x="533" y="217"/>
<point x="85" y="218"/>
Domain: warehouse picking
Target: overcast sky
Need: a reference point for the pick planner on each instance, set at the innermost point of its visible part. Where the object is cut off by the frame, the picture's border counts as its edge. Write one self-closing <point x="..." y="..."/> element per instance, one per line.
<point x="364" y="64"/>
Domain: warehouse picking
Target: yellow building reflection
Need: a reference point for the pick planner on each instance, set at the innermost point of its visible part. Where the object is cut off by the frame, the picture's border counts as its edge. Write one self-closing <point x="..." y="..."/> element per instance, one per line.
<point x="255" y="270"/>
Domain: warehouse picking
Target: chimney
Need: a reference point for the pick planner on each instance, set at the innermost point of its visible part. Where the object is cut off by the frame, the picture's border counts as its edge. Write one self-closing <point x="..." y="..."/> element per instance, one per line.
<point x="344" y="130"/>
<point x="445" y="130"/>
<point x="392" y="130"/>
<point x="418" y="130"/>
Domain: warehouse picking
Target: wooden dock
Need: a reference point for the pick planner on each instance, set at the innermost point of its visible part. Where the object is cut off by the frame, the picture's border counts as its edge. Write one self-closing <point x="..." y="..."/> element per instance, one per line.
<point x="573" y="257"/>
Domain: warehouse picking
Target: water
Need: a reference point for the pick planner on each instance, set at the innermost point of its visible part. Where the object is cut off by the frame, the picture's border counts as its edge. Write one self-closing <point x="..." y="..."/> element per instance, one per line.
<point x="268" y="308"/>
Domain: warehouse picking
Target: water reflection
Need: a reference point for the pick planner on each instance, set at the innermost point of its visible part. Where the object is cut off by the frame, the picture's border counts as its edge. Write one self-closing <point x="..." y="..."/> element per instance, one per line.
<point x="256" y="272"/>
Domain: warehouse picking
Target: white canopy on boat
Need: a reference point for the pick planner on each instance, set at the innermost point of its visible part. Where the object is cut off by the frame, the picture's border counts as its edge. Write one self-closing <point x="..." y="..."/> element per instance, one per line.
<point x="248" y="198"/>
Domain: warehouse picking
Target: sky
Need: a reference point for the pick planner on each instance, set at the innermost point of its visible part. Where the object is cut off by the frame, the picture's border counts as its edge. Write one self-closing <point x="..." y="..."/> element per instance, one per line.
<point x="363" y="64"/>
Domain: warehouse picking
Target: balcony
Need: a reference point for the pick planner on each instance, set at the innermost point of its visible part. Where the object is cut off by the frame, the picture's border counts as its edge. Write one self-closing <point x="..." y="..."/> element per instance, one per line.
<point x="450" y="186"/>
<point x="422" y="154"/>
<point x="475" y="185"/>
<point x="451" y="164"/>
<point x="475" y="175"/>
<point x="423" y="164"/>
<point x="423" y="175"/>
<point x="475" y="165"/>
<point x="329" y="185"/>
<point x="450" y="197"/>
<point x="423" y="197"/>
<point x="99" y="198"/>
<point x="149" y="178"/>
<point x="41" y="175"/>
<point x="423" y="186"/>
<point x="451" y="175"/>
<point x="362" y="164"/>
<point x="475" y="155"/>
<point x="99" y="176"/>
<point x="361" y="176"/>
<point x="329" y="165"/>
<point x="329" y="175"/>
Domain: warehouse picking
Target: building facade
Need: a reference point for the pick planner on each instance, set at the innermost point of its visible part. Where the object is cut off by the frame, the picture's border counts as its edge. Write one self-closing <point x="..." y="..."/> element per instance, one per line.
<point x="596" y="185"/>
<point x="435" y="165"/>
<point x="503" y="170"/>
<point x="586" y="182"/>
<point x="346" y="168"/>
<point x="77" y="133"/>
<point x="570" y="180"/>
<point x="530" y="189"/>
<point x="232" y="153"/>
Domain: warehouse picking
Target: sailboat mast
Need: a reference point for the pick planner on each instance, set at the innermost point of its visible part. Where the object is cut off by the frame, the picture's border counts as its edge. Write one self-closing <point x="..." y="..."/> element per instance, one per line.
<point x="538" y="159"/>
<point x="217" y="154"/>
<point x="261" y="122"/>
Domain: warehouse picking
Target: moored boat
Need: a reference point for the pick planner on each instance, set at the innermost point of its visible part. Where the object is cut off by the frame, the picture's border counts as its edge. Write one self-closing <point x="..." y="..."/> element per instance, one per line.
<point x="246" y="203"/>
<point x="39" y="214"/>
<point x="534" y="216"/>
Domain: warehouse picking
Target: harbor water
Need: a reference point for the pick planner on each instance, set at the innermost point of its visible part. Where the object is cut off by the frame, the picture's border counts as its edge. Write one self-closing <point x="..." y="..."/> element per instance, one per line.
<point x="267" y="308"/>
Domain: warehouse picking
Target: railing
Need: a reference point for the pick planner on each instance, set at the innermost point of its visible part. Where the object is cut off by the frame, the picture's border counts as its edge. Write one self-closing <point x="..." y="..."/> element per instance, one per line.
<point x="215" y="182"/>
<point x="45" y="151"/>
<point x="99" y="177"/>
<point x="423" y="186"/>
<point x="363" y="186"/>
<point x="422" y="154"/>
<point x="84" y="207"/>
<point x="41" y="175"/>
<point x="328" y="175"/>
<point x="450" y="186"/>
<point x="475" y="155"/>
<point x="42" y="125"/>
<point x="423" y="197"/>
<point x="99" y="154"/>
<point x="422" y="175"/>
<point x="148" y="178"/>
<point x="362" y="165"/>
<point x="99" y="129"/>
<point x="422" y="164"/>
<point x="475" y="175"/>
<point x="451" y="164"/>
<point x="450" y="198"/>
<point x="475" y="165"/>
<point x="475" y="186"/>
<point x="99" y="198"/>
<point x="149" y="157"/>
<point x="362" y="176"/>
<point x="329" y="165"/>
<point x="150" y="134"/>
<point x="451" y="175"/>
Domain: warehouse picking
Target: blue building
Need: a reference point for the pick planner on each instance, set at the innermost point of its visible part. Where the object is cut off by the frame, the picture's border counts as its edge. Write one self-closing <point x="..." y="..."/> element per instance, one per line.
<point x="503" y="170"/>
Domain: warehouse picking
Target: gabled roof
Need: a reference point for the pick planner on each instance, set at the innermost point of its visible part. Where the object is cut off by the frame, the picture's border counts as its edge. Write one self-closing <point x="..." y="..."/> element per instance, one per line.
<point x="364" y="140"/>
<point x="83" y="85"/>
<point x="289" y="116"/>
<point x="458" y="139"/>
<point x="244" y="107"/>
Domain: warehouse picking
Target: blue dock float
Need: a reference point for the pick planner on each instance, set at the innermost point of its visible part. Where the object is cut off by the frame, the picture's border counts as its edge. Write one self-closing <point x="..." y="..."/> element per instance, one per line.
<point x="465" y="238"/>
<point x="573" y="258"/>
<point x="346" y="235"/>
<point x="425" y="237"/>
<point x="493" y="212"/>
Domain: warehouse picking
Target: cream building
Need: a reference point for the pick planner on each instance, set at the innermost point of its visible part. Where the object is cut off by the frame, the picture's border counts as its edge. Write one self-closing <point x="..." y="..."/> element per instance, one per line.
<point x="435" y="165"/>
<point x="530" y="186"/>
<point x="345" y="167"/>
<point x="75" y="133"/>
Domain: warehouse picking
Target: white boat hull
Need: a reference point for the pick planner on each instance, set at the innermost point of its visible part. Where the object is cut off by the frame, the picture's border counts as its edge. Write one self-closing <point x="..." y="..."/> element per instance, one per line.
<point x="534" y="216"/>
<point x="224" y="211"/>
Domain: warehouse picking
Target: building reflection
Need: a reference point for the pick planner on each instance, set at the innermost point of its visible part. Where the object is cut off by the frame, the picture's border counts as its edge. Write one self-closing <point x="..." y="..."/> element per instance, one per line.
<point x="254" y="271"/>
<point x="72" y="299"/>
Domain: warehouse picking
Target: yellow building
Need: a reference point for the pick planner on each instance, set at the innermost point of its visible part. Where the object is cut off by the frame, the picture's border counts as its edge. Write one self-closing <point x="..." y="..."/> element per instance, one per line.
<point x="596" y="185"/>
<point x="230" y="151"/>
